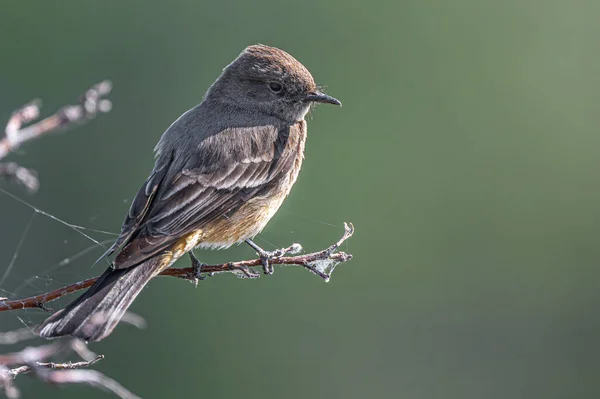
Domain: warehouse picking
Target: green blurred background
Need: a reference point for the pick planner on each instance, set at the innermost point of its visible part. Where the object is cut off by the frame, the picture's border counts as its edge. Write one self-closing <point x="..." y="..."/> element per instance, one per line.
<point x="467" y="154"/>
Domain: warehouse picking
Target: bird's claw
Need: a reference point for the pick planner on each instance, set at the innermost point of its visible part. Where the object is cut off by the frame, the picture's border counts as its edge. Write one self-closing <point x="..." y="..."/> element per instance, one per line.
<point x="197" y="268"/>
<point x="265" y="259"/>
<point x="267" y="256"/>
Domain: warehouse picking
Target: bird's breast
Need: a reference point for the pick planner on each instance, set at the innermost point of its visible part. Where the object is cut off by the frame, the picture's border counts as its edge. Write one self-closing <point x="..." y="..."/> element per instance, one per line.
<point x="251" y="217"/>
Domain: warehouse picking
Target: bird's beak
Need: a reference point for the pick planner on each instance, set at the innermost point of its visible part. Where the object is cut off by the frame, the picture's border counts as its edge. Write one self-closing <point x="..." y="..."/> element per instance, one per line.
<point x="318" y="97"/>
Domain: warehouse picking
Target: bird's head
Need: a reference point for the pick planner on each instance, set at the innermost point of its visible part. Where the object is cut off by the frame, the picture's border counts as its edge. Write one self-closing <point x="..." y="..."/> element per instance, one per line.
<point x="270" y="81"/>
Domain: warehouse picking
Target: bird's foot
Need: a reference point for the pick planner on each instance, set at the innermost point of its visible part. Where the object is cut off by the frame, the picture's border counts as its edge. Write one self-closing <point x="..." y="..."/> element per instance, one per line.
<point x="197" y="268"/>
<point x="266" y="257"/>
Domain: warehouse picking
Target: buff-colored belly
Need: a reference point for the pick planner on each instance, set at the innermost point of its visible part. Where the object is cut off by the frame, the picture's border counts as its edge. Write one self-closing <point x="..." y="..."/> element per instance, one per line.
<point x="248" y="220"/>
<point x="245" y="223"/>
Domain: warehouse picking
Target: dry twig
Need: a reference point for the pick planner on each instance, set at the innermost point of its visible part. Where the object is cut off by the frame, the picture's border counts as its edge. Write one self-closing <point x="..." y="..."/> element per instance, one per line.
<point x="90" y="104"/>
<point x="31" y="360"/>
<point x="320" y="263"/>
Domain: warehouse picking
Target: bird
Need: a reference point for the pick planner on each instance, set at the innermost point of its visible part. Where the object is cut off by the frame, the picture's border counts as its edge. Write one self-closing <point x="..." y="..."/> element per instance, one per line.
<point x="221" y="172"/>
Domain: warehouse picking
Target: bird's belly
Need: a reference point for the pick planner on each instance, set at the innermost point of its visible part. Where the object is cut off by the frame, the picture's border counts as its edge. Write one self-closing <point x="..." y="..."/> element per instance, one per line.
<point x="249" y="219"/>
<point x="246" y="222"/>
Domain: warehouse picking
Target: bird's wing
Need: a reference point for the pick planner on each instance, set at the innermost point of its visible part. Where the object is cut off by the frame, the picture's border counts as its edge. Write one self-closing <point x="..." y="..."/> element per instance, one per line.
<point x="141" y="203"/>
<point x="227" y="170"/>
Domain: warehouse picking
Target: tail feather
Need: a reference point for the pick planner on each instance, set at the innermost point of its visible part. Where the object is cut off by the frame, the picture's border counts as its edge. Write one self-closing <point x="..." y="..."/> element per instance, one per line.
<point x="94" y="315"/>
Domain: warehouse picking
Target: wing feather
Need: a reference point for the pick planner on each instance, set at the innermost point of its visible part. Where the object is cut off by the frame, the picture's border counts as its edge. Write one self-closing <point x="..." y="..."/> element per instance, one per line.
<point x="227" y="169"/>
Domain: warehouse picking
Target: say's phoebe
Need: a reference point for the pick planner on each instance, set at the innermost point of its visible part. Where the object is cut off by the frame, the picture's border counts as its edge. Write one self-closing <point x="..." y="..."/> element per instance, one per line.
<point x="222" y="171"/>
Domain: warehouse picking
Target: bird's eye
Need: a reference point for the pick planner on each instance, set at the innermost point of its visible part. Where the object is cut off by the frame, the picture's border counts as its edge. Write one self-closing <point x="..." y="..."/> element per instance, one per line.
<point x="276" y="87"/>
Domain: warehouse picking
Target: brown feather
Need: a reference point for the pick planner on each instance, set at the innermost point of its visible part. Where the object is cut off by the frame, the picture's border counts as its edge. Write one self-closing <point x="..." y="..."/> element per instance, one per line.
<point x="228" y="204"/>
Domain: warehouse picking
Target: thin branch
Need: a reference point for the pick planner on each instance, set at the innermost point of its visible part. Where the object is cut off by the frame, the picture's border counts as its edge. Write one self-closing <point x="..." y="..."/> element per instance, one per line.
<point x="27" y="177"/>
<point x="88" y="377"/>
<point x="320" y="263"/>
<point x="31" y="360"/>
<point x="13" y="337"/>
<point x="32" y="354"/>
<point x="90" y="104"/>
<point x="34" y="359"/>
<point x="54" y="366"/>
<point x="7" y="385"/>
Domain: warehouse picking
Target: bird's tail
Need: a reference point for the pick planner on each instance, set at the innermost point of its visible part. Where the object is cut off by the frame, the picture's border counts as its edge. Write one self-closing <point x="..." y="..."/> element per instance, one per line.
<point x="94" y="315"/>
